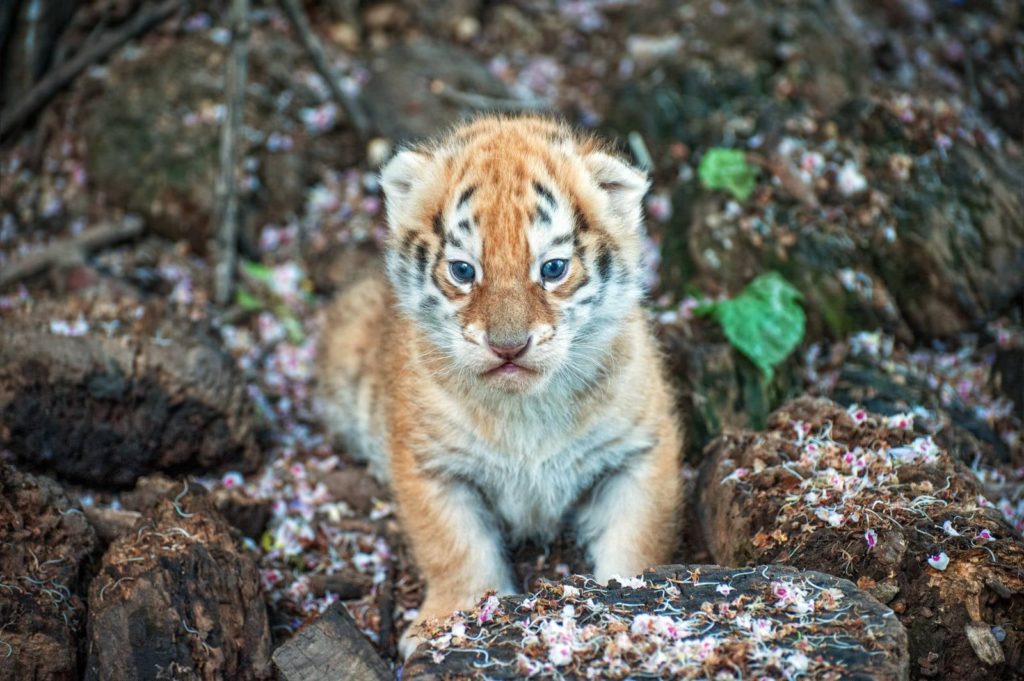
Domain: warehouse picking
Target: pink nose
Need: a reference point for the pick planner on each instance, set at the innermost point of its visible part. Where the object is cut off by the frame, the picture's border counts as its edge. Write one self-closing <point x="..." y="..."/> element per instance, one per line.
<point x="509" y="351"/>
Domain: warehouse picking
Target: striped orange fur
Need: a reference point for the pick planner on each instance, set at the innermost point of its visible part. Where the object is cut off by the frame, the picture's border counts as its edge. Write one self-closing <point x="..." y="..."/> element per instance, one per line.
<point x="502" y="376"/>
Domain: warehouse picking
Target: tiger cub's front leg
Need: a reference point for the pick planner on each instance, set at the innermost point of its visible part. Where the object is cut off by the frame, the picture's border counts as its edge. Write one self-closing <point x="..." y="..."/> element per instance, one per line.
<point x="456" y="546"/>
<point x="630" y="524"/>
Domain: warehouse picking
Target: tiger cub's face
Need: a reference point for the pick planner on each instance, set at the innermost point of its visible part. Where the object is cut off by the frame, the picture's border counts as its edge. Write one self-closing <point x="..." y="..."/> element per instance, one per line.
<point x="515" y="245"/>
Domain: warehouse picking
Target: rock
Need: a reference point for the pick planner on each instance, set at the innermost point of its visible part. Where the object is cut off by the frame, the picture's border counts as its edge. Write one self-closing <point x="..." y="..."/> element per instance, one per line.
<point x="676" y="621"/>
<point x="332" y="647"/>
<point x="400" y="99"/>
<point x="178" y="595"/>
<point x="824" y="489"/>
<point x="44" y="544"/>
<point x="904" y="214"/>
<point x="894" y="382"/>
<point x="161" y="161"/>
<point x="105" y="408"/>
<point x="957" y="259"/>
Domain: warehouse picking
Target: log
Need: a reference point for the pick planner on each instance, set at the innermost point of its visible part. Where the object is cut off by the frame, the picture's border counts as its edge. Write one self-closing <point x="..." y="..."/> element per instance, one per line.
<point x="861" y="497"/>
<point x="178" y="595"/>
<point x="675" y="621"/>
<point x="330" y="648"/>
<point x="105" y="408"/>
<point x="44" y="542"/>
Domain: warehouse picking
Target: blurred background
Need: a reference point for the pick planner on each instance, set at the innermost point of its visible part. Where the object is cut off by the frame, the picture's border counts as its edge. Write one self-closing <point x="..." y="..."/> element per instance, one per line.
<point x="862" y="159"/>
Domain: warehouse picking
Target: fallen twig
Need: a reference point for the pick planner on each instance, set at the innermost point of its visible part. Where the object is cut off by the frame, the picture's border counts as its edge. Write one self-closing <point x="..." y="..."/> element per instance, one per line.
<point x="789" y="178"/>
<point x="226" y="215"/>
<point x="300" y="23"/>
<point x="475" y="100"/>
<point x="70" y="250"/>
<point x="56" y="80"/>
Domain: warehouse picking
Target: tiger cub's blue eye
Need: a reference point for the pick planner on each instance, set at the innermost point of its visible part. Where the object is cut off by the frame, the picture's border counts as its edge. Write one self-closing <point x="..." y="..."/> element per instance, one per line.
<point x="553" y="270"/>
<point x="462" y="272"/>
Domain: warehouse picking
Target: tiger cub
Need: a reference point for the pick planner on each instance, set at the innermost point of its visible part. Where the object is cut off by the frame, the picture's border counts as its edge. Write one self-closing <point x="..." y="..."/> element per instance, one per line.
<point x="502" y="376"/>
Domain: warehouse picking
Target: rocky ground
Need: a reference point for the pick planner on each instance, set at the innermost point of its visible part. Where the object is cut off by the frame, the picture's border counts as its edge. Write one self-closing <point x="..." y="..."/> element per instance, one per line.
<point x="147" y="434"/>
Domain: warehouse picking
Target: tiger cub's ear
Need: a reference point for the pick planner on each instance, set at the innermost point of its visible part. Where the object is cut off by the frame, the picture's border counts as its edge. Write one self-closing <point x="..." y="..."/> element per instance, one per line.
<point x="399" y="178"/>
<point x="623" y="184"/>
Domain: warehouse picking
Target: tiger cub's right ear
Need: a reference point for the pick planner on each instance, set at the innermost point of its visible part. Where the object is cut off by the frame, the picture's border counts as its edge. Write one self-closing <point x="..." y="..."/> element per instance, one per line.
<point x="400" y="178"/>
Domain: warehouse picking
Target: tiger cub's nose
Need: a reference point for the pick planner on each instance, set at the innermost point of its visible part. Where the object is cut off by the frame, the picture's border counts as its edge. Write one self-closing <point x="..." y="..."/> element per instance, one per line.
<point x="509" y="349"/>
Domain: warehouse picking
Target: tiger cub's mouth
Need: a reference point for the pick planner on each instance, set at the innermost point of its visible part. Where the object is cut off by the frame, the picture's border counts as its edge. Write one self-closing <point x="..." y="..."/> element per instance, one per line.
<point x="509" y="369"/>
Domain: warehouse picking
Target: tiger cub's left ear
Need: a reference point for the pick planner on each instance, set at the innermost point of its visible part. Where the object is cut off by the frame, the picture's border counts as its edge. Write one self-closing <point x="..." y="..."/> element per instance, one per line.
<point x="623" y="184"/>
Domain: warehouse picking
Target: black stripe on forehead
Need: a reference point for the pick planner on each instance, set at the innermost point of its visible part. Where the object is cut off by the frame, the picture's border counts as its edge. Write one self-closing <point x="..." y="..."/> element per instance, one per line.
<point x="438" y="226"/>
<point x="464" y="226"/>
<point x="545" y="193"/>
<point x="465" y="196"/>
<point x="543" y="216"/>
<point x="563" y="239"/>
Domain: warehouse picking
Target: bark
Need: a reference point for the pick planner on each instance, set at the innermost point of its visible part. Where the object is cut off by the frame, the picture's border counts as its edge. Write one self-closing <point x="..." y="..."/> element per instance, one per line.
<point x="179" y="596"/>
<point x="330" y="648"/>
<point x="872" y="644"/>
<point x="763" y="500"/>
<point x="104" y="409"/>
<point x="44" y="542"/>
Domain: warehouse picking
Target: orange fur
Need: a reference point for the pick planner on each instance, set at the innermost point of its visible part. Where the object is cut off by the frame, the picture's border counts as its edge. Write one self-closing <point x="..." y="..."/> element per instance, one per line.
<point x="481" y="449"/>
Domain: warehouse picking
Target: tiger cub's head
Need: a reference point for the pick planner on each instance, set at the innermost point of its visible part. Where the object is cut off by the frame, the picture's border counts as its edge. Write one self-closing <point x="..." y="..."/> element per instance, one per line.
<point x="515" y="244"/>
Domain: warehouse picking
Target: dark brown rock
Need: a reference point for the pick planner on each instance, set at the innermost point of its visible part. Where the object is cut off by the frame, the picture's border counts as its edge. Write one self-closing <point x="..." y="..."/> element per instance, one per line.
<point x="697" y="631"/>
<point x="909" y="524"/>
<point x="44" y="542"/>
<point x="178" y="595"/>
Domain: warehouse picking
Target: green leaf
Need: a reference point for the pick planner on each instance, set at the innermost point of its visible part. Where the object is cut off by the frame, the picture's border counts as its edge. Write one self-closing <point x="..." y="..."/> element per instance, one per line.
<point x="765" y="321"/>
<point x="248" y="301"/>
<point x="728" y="170"/>
<point x="293" y="329"/>
<point x="257" y="272"/>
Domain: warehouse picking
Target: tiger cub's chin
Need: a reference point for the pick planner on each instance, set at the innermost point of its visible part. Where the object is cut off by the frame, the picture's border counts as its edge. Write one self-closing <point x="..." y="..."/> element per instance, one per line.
<point x="501" y="374"/>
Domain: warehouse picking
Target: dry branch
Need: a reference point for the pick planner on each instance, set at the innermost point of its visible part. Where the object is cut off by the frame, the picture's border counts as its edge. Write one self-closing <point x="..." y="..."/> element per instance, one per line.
<point x="226" y="215"/>
<point x="69" y="250"/>
<point x="300" y="23"/>
<point x="474" y="100"/>
<point x="53" y="83"/>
